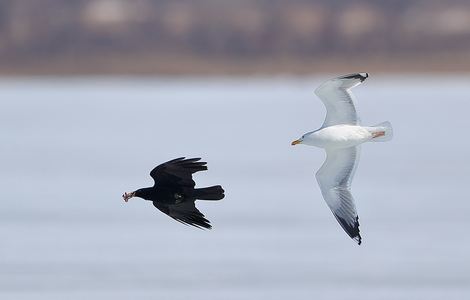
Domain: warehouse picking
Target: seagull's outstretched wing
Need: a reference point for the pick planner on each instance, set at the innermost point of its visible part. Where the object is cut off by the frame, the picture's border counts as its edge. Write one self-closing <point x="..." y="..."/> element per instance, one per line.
<point x="338" y="99"/>
<point x="334" y="178"/>
<point x="178" y="171"/>
<point x="185" y="212"/>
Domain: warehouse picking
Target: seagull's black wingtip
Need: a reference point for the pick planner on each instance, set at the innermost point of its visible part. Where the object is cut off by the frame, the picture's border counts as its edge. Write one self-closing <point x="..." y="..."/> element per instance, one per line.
<point x="351" y="229"/>
<point x="360" y="76"/>
<point x="364" y="76"/>
<point x="358" y="239"/>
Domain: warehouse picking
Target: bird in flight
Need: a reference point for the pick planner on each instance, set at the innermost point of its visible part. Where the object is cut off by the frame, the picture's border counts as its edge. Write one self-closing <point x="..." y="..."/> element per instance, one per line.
<point x="174" y="194"/>
<point x="340" y="136"/>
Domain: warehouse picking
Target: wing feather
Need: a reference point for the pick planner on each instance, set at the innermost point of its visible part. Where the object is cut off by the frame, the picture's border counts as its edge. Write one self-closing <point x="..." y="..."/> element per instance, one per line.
<point x="338" y="99"/>
<point x="178" y="171"/>
<point x="185" y="213"/>
<point x="334" y="178"/>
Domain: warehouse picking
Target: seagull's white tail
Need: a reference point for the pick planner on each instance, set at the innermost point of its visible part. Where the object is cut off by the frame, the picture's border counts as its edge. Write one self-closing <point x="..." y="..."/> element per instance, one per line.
<point x="381" y="132"/>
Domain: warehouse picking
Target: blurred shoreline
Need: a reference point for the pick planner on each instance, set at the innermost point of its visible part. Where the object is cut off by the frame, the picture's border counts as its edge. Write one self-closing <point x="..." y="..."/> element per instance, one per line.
<point x="155" y="65"/>
<point x="207" y="37"/>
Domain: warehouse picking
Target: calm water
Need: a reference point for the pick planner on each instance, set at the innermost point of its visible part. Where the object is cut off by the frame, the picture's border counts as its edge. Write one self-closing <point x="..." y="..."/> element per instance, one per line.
<point x="70" y="148"/>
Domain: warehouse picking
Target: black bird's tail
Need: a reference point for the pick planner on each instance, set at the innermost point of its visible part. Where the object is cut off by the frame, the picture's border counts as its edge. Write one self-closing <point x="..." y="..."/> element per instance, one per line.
<point x="215" y="192"/>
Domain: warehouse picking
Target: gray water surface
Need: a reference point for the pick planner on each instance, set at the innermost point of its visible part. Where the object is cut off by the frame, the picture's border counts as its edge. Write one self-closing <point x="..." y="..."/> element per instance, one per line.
<point x="71" y="147"/>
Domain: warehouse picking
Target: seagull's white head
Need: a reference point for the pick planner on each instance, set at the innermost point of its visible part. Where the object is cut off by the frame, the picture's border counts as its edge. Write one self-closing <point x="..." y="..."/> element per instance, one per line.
<point x="306" y="139"/>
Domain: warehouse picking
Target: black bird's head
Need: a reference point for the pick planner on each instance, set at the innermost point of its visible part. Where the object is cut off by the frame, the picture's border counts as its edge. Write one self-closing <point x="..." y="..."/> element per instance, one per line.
<point x="141" y="193"/>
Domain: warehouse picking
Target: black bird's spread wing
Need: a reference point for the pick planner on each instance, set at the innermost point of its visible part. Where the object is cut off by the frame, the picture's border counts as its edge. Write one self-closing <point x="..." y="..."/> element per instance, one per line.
<point x="177" y="171"/>
<point x="186" y="213"/>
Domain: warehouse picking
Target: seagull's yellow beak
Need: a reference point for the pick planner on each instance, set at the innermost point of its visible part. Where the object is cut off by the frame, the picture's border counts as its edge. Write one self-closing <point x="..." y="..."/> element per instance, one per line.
<point x="296" y="142"/>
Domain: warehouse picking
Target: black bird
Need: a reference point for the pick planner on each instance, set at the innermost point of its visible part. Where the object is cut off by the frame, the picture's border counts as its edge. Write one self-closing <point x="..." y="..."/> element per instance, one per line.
<point x="174" y="194"/>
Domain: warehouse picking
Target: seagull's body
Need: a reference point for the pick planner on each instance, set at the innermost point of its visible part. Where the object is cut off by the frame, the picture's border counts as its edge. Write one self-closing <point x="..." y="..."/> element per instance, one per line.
<point x="340" y="136"/>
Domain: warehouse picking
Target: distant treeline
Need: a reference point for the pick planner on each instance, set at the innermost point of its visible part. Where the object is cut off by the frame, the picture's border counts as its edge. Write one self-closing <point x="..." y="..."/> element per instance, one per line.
<point x="200" y="36"/>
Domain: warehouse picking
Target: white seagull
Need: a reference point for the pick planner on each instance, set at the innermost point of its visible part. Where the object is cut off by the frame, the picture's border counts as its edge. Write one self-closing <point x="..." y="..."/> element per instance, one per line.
<point x="340" y="136"/>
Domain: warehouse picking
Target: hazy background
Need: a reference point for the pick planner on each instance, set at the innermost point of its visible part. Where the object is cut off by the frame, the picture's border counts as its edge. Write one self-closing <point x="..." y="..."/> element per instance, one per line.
<point x="94" y="94"/>
<point x="236" y="37"/>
